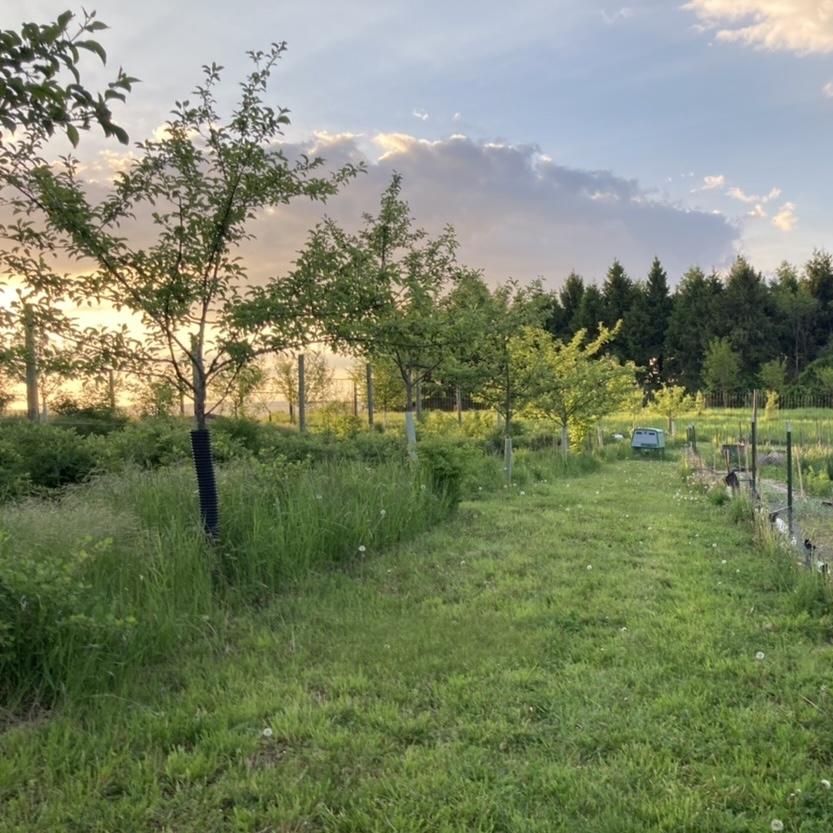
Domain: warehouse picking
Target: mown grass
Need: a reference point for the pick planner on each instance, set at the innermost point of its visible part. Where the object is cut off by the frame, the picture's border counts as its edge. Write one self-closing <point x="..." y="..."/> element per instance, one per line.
<point x="577" y="655"/>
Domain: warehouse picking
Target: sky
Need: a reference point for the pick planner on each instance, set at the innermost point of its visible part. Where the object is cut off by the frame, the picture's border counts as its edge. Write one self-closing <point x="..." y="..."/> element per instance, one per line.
<point x="553" y="134"/>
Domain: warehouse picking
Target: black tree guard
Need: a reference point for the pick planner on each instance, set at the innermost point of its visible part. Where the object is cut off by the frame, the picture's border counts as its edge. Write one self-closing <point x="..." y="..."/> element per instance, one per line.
<point x="207" y="485"/>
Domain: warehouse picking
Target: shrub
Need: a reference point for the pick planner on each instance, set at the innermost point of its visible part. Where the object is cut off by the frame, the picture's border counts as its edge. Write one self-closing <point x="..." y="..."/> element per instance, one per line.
<point x="50" y="457"/>
<point x="14" y="479"/>
<point x="152" y="442"/>
<point x="446" y="464"/>
<point x="88" y="419"/>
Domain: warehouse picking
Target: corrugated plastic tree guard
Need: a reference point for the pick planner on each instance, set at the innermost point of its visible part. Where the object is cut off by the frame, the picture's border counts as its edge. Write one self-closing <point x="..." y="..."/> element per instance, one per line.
<point x="206" y="483"/>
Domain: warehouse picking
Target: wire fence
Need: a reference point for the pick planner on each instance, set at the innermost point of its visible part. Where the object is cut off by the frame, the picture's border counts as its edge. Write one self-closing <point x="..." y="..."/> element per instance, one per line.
<point x="788" y="477"/>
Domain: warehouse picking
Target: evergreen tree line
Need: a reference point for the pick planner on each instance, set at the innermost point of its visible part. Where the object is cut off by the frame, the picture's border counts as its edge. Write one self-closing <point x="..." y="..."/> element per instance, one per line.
<point x="713" y="333"/>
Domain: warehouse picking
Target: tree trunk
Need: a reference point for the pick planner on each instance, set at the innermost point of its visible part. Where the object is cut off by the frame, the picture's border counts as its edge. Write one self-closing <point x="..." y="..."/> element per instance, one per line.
<point x="31" y="359"/>
<point x="111" y="389"/>
<point x="565" y="442"/>
<point x="302" y="395"/>
<point x="418" y="394"/>
<point x="410" y="427"/>
<point x="201" y="449"/>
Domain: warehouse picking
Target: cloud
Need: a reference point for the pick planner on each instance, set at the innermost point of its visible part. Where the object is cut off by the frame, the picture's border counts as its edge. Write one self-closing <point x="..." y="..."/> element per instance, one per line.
<point x="739" y="194"/>
<point x="785" y="219"/>
<point x="827" y="89"/>
<point x="757" y="213"/>
<point x="457" y="117"/>
<point x="517" y="212"/>
<point x="710" y="183"/>
<point x="614" y="17"/>
<point x="420" y="114"/>
<point x="802" y="26"/>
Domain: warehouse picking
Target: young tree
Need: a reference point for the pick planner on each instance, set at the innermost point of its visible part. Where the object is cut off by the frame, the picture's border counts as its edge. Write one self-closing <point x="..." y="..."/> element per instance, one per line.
<point x="774" y="375"/>
<point x="380" y="292"/>
<point x="202" y="184"/>
<point x="239" y="386"/>
<point x="503" y="385"/>
<point x="721" y="368"/>
<point x="573" y="383"/>
<point x="671" y="401"/>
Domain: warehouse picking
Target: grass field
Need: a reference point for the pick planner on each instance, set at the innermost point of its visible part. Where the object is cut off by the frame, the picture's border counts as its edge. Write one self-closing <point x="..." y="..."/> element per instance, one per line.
<point x="572" y="656"/>
<point x="810" y="426"/>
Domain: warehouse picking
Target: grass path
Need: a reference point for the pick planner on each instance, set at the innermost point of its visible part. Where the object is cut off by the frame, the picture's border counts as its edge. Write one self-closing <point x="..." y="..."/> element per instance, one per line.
<point x="581" y="657"/>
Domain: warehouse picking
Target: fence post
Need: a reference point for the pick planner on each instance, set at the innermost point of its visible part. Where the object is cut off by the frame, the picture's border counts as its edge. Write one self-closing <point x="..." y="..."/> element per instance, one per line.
<point x="790" y="477"/>
<point x="458" y="404"/>
<point x="31" y="359"/>
<point x="754" y="457"/>
<point x="355" y="398"/>
<point x="507" y="458"/>
<point x="369" y="373"/>
<point x="302" y="395"/>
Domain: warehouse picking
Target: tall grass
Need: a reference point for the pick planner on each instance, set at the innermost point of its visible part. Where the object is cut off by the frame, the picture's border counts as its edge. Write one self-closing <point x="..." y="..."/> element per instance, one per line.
<point x="116" y="573"/>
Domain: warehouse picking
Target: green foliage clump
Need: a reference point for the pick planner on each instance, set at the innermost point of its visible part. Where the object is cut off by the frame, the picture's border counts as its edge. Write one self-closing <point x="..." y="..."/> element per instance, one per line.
<point x="41" y="457"/>
<point x="446" y="464"/>
<point x="88" y="419"/>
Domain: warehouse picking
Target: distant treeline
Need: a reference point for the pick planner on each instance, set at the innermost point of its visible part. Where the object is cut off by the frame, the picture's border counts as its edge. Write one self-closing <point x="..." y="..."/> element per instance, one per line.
<point x="717" y="333"/>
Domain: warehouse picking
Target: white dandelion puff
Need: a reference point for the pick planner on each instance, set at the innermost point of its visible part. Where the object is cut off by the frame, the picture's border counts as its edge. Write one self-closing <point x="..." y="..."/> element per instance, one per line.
<point x="760" y="655"/>
<point x="266" y="733"/>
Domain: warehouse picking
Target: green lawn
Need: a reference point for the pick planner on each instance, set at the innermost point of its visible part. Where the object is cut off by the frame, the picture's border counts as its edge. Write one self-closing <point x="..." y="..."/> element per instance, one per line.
<point x="581" y="657"/>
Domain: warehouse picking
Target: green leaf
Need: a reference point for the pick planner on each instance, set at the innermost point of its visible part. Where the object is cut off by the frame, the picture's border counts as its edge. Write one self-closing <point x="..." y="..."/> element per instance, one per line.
<point x="72" y="134"/>
<point x="93" y="46"/>
<point x="120" y="134"/>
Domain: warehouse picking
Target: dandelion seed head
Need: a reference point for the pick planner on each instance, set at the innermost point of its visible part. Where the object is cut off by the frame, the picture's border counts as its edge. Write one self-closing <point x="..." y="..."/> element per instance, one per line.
<point x="589" y="566"/>
<point x="362" y="548"/>
<point x="776" y="825"/>
<point x="266" y="733"/>
<point x="760" y="655"/>
<point x="825" y="783"/>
